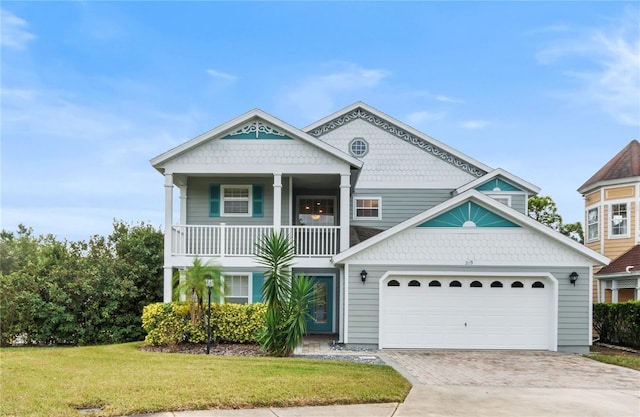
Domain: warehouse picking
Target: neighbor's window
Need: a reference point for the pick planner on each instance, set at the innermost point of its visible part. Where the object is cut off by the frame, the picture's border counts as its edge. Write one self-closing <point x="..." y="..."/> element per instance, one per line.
<point x="236" y="289"/>
<point x="619" y="220"/>
<point x="504" y="199"/>
<point x="367" y="208"/>
<point x="236" y="200"/>
<point x="593" y="224"/>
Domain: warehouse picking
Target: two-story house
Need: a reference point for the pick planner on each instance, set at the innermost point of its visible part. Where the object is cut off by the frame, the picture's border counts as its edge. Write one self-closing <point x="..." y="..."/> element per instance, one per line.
<point x="411" y="243"/>
<point x="612" y="224"/>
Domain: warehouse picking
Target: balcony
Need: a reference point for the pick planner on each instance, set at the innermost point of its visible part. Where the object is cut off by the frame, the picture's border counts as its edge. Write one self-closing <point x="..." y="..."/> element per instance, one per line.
<point x="223" y="240"/>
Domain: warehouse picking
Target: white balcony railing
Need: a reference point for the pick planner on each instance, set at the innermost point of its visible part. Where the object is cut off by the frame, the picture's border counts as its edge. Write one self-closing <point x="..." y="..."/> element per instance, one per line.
<point x="223" y="240"/>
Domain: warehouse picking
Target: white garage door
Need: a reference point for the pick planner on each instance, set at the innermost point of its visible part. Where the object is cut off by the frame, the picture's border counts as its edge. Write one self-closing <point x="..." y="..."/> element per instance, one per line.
<point x="466" y="313"/>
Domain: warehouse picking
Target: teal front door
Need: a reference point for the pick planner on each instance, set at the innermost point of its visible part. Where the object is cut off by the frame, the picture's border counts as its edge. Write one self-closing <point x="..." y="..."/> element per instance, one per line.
<point x="321" y="310"/>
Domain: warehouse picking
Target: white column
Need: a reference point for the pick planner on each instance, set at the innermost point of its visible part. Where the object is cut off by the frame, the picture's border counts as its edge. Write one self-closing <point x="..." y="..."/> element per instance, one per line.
<point x="183" y="204"/>
<point x="345" y="204"/>
<point x="168" y="220"/>
<point x="277" y="201"/>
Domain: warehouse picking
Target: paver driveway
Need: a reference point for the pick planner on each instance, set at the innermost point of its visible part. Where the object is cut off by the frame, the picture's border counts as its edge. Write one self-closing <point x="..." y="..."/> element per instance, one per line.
<point x="514" y="383"/>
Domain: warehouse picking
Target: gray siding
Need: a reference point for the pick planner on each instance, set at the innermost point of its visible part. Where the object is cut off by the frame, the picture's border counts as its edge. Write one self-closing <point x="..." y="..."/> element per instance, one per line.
<point x="198" y="201"/>
<point x="573" y="302"/>
<point x="519" y="202"/>
<point x="399" y="205"/>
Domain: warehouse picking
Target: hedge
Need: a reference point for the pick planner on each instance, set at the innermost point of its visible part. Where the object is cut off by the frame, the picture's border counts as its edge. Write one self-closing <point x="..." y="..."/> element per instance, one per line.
<point x="618" y="323"/>
<point x="169" y="324"/>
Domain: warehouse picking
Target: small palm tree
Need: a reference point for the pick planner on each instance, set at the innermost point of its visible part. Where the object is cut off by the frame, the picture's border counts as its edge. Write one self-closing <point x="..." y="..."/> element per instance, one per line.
<point x="194" y="286"/>
<point x="287" y="299"/>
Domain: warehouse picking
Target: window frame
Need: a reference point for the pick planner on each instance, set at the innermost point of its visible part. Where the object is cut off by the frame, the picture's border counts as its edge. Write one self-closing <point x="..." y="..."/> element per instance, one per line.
<point x="356" y="154"/>
<point x="626" y="233"/>
<point x="498" y="197"/>
<point x="248" y="276"/>
<point x="362" y="198"/>
<point x="596" y="224"/>
<point x="248" y="199"/>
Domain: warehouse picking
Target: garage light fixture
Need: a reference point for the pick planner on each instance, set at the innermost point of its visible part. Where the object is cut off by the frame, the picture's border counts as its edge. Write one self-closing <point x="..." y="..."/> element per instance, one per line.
<point x="363" y="276"/>
<point x="573" y="277"/>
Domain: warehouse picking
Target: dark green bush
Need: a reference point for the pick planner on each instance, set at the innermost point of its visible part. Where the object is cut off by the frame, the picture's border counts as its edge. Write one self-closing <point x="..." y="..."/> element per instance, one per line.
<point x="618" y="323"/>
<point x="169" y="324"/>
<point x="78" y="293"/>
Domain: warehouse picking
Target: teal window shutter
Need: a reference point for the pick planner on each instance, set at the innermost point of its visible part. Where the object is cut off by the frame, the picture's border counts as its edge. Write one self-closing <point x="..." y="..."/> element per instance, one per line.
<point x="256" y="290"/>
<point x="258" y="200"/>
<point x="214" y="200"/>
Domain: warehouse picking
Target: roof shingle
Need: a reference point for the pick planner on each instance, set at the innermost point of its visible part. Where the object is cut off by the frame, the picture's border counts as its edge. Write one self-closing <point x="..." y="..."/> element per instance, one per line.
<point x="629" y="258"/>
<point x="626" y="164"/>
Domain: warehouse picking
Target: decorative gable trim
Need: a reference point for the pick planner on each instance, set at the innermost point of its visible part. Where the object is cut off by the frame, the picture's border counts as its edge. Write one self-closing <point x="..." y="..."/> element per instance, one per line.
<point x="497" y="184"/>
<point x="256" y="130"/>
<point x="499" y="178"/>
<point x="468" y="214"/>
<point x="360" y="113"/>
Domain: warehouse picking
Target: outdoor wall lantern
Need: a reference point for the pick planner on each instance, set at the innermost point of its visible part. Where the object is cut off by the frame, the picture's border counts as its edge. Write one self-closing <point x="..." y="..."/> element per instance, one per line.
<point x="573" y="278"/>
<point x="363" y="276"/>
<point x="209" y="283"/>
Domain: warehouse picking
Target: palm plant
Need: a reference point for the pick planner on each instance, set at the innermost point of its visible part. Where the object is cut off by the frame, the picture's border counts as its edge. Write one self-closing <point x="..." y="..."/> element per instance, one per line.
<point x="194" y="287"/>
<point x="287" y="299"/>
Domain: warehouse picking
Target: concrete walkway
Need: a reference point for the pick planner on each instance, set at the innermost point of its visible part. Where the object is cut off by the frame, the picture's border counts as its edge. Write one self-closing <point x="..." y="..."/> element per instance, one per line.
<point x="478" y="383"/>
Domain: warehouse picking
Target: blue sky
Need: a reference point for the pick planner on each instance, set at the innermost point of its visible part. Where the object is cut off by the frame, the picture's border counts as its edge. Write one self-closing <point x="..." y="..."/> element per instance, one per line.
<point x="549" y="91"/>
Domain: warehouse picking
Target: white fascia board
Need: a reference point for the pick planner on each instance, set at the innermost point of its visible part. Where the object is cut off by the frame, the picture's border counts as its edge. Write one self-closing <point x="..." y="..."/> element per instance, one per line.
<point x="499" y="172"/>
<point x="160" y="160"/>
<point x="478" y="197"/>
<point x="401" y="125"/>
<point x="208" y="169"/>
<point x="608" y="183"/>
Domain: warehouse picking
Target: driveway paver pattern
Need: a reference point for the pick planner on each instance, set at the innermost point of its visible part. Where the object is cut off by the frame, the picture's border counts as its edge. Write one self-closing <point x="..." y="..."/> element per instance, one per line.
<point x="535" y="369"/>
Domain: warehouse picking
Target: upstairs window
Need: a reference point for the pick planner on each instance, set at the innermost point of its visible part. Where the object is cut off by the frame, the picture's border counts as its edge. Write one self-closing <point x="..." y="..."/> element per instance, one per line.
<point x="619" y="220"/>
<point x="358" y="147"/>
<point x="367" y="208"/>
<point x="593" y="223"/>
<point x="236" y="200"/>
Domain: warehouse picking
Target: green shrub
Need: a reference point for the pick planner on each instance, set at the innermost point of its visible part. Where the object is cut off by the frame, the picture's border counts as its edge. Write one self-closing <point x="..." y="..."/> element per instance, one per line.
<point x="237" y="323"/>
<point x="618" y="323"/>
<point x="169" y="324"/>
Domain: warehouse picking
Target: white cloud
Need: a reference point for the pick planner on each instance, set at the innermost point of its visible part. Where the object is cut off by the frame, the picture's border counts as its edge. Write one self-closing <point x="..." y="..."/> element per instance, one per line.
<point x="219" y="75"/>
<point x="419" y="117"/>
<point x="606" y="64"/>
<point x="447" y="99"/>
<point x="14" y="33"/>
<point x="475" y="124"/>
<point x="316" y="95"/>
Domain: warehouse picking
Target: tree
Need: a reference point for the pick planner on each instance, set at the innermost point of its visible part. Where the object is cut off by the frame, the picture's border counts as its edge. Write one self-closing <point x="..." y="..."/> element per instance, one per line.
<point x="544" y="210"/>
<point x="85" y="292"/>
<point x="287" y="298"/>
<point x="194" y="286"/>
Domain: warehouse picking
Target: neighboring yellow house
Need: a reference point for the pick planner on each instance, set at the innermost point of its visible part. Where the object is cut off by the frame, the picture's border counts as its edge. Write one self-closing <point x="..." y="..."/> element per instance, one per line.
<point x="612" y="225"/>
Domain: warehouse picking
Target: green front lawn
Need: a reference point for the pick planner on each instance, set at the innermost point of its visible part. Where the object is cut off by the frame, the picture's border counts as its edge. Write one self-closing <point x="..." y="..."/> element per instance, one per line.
<point x="632" y="362"/>
<point x="120" y="379"/>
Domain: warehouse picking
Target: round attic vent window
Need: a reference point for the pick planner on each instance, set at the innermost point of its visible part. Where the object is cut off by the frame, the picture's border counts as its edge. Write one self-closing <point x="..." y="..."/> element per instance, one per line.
<point x="358" y="147"/>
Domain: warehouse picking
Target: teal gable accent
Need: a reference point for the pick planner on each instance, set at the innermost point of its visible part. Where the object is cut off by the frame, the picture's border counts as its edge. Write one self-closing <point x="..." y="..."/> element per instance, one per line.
<point x="214" y="200"/>
<point x="257" y="130"/>
<point x="258" y="200"/>
<point x="468" y="212"/>
<point x="497" y="183"/>
<point x="256" y="291"/>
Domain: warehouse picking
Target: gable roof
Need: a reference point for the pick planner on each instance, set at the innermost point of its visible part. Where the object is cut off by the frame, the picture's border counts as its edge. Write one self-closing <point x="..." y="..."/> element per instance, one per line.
<point x="625" y="165"/>
<point x="496" y="173"/>
<point x="360" y="110"/>
<point x="620" y="264"/>
<point x="252" y="115"/>
<point x="489" y="203"/>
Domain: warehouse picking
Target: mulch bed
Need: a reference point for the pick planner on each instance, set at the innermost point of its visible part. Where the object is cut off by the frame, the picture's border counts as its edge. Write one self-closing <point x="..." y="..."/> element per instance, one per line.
<point x="607" y="350"/>
<point x="220" y="349"/>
